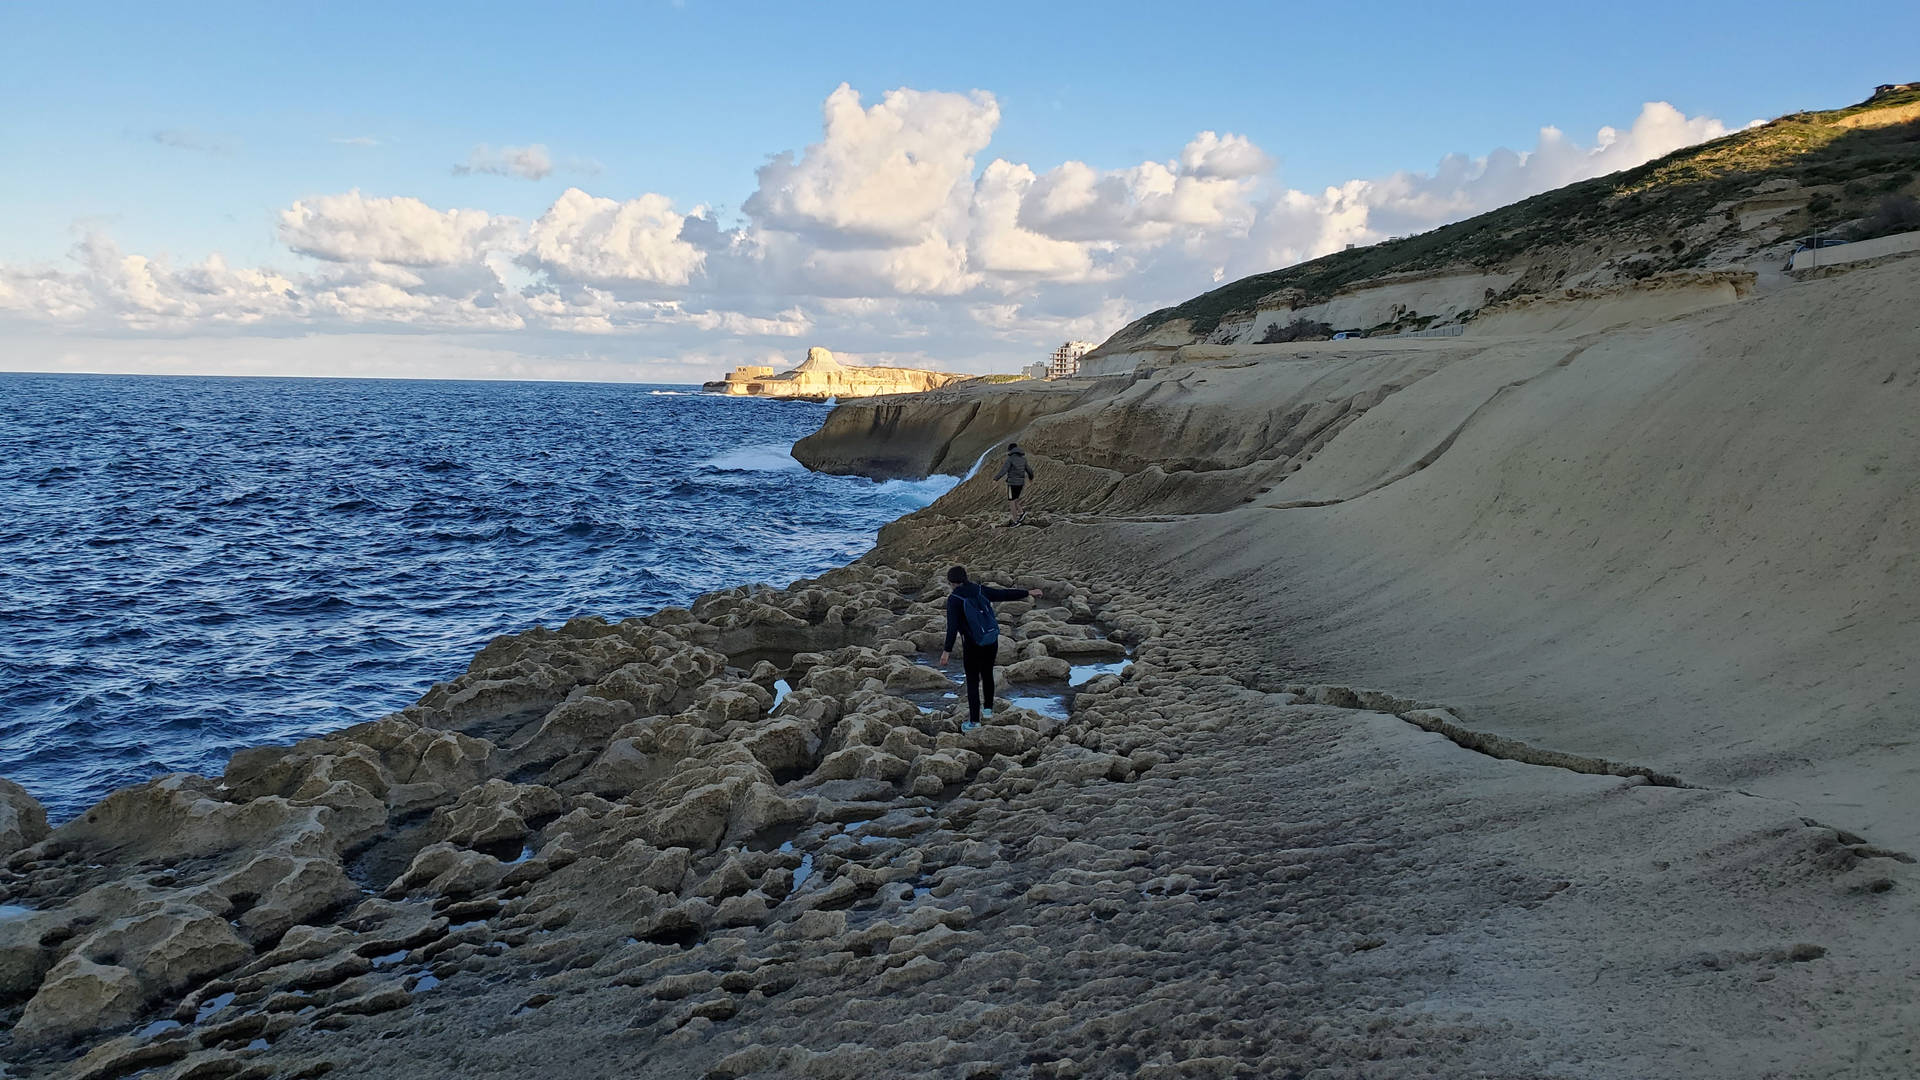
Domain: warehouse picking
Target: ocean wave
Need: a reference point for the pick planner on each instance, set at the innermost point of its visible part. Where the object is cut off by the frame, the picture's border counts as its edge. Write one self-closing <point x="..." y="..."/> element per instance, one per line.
<point x="479" y="536"/>
<point x="917" y="493"/>
<point x="305" y="604"/>
<point x="768" y="457"/>
<point x="582" y="528"/>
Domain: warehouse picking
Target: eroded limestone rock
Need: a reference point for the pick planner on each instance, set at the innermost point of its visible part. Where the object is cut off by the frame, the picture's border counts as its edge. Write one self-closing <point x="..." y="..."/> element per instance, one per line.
<point x="23" y="820"/>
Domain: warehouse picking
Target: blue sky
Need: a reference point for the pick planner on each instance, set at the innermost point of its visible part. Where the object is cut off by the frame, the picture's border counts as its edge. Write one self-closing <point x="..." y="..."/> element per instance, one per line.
<point x="188" y="130"/>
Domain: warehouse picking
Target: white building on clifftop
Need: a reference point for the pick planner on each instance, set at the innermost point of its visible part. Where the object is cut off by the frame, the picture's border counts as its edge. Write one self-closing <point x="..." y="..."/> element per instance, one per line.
<point x="1066" y="359"/>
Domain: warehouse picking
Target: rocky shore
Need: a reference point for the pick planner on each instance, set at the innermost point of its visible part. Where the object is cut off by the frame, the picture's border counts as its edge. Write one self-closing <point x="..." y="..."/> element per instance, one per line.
<point x="749" y="839"/>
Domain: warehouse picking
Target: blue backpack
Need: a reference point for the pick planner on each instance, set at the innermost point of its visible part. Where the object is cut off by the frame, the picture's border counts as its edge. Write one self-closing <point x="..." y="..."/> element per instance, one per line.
<point x="982" y="627"/>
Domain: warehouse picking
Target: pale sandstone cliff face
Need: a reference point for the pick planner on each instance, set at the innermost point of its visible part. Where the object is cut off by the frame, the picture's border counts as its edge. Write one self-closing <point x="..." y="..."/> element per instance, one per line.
<point x="1683" y="542"/>
<point x="821" y="377"/>
<point x="944" y="431"/>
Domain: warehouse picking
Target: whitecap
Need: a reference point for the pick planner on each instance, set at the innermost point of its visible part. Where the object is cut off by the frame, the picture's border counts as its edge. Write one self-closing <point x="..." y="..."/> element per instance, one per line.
<point x="768" y="457"/>
<point x="918" y="493"/>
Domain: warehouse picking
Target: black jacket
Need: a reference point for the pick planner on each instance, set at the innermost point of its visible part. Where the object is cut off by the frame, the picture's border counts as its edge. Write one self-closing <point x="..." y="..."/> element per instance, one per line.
<point x="957" y="619"/>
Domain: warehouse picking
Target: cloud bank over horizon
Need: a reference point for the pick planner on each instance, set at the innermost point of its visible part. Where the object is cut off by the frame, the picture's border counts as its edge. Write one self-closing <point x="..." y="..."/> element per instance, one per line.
<point x="885" y="238"/>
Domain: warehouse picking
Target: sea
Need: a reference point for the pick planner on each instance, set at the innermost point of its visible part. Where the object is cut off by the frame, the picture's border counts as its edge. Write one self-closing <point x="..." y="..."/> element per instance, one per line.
<point x="189" y="566"/>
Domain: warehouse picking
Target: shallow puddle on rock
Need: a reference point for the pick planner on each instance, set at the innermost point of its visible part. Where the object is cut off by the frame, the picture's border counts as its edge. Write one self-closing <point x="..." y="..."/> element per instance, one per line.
<point x="747" y="659"/>
<point x="801" y="875"/>
<point x="426" y="981"/>
<point x="1082" y="674"/>
<point x="1053" y="705"/>
<point x="1052" y="700"/>
<point x="212" y="1006"/>
<point x="156" y="1029"/>
<point x="14" y="911"/>
<point x="781" y="688"/>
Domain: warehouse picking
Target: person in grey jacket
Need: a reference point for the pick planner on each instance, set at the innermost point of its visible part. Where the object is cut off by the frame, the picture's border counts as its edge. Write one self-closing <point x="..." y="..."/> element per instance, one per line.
<point x="1017" y="472"/>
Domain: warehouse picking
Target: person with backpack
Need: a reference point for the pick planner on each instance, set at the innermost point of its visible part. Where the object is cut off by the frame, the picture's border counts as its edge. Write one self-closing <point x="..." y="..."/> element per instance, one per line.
<point x="970" y="616"/>
<point x="1017" y="472"/>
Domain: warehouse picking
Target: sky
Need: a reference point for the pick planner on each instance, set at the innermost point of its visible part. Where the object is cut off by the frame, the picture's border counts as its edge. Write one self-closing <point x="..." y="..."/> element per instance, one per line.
<point x="658" y="191"/>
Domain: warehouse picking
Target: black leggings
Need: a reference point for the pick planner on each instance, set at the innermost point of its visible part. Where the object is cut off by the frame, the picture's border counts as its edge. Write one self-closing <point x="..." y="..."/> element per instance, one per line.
<point x="978" y="660"/>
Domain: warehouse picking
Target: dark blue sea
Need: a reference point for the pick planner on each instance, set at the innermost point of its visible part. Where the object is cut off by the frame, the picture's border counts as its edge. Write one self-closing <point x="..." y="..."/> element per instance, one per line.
<point x="193" y="565"/>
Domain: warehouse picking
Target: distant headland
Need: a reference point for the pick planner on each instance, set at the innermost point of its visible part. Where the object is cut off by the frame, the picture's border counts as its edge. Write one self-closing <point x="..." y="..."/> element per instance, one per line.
<point x="821" y="377"/>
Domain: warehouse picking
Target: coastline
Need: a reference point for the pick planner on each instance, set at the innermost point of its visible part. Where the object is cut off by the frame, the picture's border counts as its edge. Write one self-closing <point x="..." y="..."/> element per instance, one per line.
<point x="1215" y="864"/>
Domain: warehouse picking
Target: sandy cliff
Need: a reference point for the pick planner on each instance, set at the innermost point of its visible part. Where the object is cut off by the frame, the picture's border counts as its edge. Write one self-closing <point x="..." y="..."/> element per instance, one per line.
<point x="941" y="431"/>
<point x="820" y="377"/>
<point x="1684" y="543"/>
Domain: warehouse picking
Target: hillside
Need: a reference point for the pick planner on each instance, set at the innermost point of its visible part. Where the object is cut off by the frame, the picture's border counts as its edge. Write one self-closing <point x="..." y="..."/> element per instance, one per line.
<point x="1737" y="201"/>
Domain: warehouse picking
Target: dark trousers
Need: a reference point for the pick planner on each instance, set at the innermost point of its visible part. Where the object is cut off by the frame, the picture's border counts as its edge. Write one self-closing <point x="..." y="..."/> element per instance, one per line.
<point x="978" y="660"/>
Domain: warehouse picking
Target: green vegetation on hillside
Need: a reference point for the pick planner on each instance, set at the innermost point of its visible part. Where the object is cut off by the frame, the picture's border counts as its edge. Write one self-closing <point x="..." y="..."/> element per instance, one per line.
<point x="1661" y="198"/>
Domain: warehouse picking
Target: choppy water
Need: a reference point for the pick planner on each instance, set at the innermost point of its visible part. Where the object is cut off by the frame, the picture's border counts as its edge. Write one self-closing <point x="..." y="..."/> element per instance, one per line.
<point x="189" y="566"/>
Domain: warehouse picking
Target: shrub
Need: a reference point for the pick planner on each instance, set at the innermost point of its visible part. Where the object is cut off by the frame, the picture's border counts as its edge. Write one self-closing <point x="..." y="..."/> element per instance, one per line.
<point x="1895" y="214"/>
<point x="1301" y="329"/>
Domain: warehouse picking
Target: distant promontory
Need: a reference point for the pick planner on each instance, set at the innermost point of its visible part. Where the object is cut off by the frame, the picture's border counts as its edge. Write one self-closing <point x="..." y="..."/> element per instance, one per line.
<point x="821" y="377"/>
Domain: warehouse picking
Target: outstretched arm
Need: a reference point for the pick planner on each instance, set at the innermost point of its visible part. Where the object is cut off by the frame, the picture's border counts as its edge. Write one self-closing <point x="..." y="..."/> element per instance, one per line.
<point x="999" y="595"/>
<point x="1002" y="472"/>
<point x="953" y="627"/>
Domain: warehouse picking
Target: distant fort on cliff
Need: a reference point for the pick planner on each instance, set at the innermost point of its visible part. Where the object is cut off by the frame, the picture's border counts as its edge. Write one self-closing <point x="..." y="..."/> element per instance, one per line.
<point x="821" y="377"/>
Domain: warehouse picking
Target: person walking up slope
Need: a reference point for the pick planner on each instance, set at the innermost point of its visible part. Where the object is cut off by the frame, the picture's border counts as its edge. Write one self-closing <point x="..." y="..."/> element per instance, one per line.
<point x="970" y="616"/>
<point x="1017" y="472"/>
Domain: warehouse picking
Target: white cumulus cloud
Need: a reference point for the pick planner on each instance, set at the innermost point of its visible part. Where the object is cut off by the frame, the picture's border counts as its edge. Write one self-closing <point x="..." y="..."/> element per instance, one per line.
<point x="884" y="175"/>
<point x="999" y="244"/>
<point x="583" y="238"/>
<point x="1206" y="188"/>
<point x="1223" y="157"/>
<point x="1295" y="225"/>
<point x="406" y="231"/>
<point x="884" y="237"/>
